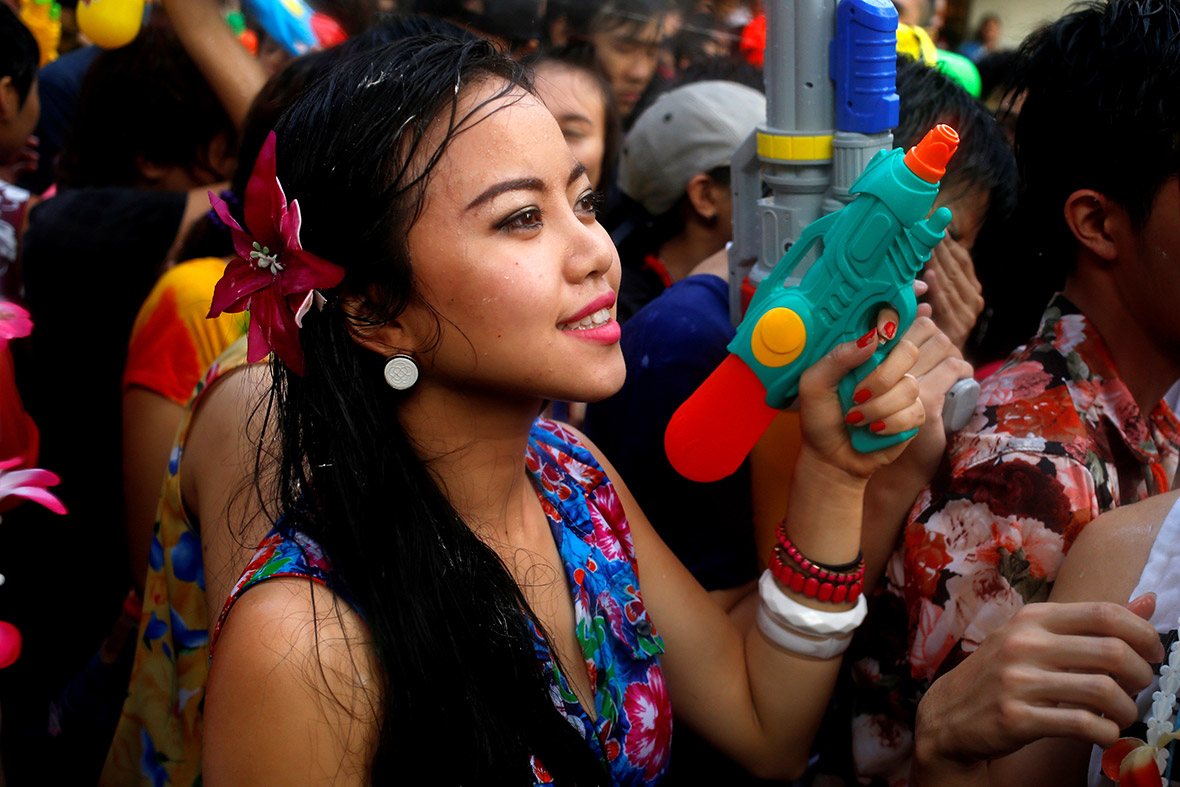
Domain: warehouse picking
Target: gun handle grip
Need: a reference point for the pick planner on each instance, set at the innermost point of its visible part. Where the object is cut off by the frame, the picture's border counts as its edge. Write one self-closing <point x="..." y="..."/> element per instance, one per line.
<point x="713" y="431"/>
<point x="862" y="439"/>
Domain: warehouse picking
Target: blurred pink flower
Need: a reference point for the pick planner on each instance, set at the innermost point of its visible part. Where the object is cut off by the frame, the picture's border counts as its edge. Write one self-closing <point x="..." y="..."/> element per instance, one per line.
<point x="29" y="484"/>
<point x="14" y="322"/>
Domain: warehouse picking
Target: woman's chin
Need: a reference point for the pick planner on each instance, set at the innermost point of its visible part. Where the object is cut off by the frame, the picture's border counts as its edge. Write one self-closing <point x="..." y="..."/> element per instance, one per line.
<point x="595" y="387"/>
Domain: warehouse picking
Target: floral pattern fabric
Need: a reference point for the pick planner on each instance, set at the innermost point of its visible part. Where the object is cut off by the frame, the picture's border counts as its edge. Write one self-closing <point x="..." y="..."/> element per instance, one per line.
<point x="1056" y="440"/>
<point x="158" y="738"/>
<point x="295" y="555"/>
<point x="631" y="729"/>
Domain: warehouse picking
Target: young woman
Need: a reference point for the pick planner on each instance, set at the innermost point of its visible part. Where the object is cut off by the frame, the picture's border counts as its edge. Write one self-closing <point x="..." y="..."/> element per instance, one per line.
<point x="574" y="88"/>
<point x="452" y="586"/>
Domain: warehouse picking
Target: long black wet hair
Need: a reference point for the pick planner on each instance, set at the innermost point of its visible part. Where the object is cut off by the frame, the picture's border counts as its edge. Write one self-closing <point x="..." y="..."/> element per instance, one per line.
<point x="465" y="700"/>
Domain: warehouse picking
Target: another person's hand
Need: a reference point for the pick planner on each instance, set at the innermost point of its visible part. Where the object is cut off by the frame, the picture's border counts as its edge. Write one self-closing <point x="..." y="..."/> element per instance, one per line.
<point x="1053" y="670"/>
<point x="891" y="404"/>
<point x="955" y="293"/>
<point x="939" y="366"/>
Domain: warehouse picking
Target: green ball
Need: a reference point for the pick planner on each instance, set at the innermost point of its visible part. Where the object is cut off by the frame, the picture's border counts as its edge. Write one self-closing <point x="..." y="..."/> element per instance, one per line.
<point x="960" y="69"/>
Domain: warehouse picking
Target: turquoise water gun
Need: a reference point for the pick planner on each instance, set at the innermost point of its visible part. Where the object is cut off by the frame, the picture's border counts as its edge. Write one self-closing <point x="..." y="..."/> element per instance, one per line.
<point x="873" y="248"/>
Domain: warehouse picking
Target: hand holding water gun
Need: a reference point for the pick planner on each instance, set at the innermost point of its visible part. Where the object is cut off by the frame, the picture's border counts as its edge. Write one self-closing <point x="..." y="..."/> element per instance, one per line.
<point x="872" y="250"/>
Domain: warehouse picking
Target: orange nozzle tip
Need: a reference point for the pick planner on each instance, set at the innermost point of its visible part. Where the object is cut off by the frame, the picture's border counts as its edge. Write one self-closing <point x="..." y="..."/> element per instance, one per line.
<point x="928" y="158"/>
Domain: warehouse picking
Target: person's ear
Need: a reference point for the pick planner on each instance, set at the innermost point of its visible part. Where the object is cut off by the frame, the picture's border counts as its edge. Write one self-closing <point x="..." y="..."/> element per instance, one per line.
<point x="386" y="339"/>
<point x="1096" y="221"/>
<point x="9" y="100"/>
<point x="702" y="197"/>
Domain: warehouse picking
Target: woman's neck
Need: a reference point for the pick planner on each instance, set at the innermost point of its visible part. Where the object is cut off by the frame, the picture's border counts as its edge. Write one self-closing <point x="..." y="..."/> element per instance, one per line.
<point x="475" y="447"/>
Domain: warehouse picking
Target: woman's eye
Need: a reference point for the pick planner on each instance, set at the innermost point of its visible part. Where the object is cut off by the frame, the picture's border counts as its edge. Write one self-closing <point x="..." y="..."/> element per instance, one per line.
<point x="589" y="203"/>
<point x="527" y="219"/>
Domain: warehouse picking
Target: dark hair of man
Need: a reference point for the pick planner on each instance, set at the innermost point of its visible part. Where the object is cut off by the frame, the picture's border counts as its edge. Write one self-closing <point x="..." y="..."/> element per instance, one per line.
<point x="395" y="27"/>
<point x="580" y="56"/>
<point x="515" y="21"/>
<point x="696" y="37"/>
<point x="465" y="700"/>
<point x="629" y="17"/>
<point x="146" y="101"/>
<point x="1101" y="112"/>
<point x="995" y="73"/>
<point x="983" y="160"/>
<point x="353" y="16"/>
<point x="577" y="14"/>
<point x="19" y="55"/>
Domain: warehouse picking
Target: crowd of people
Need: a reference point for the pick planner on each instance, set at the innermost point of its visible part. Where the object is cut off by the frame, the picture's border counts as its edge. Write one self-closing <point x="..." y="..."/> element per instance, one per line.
<point x="370" y="478"/>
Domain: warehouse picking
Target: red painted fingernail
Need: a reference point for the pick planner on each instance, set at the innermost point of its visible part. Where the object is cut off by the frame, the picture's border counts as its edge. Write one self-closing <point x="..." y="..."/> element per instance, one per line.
<point x="890" y="329"/>
<point x="877" y="426"/>
<point x="862" y="396"/>
<point x="854" y="417"/>
<point x="866" y="339"/>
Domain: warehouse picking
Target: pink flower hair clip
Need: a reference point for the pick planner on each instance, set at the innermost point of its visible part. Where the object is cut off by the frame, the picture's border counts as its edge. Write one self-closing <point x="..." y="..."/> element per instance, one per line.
<point x="273" y="276"/>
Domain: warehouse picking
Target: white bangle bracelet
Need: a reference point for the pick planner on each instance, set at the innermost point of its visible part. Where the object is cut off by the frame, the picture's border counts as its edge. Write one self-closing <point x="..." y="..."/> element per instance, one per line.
<point x="806" y="620"/>
<point x="793" y="642"/>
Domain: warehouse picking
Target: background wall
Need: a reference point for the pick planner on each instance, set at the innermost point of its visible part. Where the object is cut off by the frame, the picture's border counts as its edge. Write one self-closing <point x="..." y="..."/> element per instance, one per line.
<point x="1017" y="17"/>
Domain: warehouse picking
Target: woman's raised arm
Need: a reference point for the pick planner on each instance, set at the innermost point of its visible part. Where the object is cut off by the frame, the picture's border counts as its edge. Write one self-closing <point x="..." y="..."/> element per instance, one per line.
<point x="759" y="702"/>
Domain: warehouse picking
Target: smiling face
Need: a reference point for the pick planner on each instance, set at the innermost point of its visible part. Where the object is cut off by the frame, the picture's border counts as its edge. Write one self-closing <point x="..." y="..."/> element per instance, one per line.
<point x="509" y="255"/>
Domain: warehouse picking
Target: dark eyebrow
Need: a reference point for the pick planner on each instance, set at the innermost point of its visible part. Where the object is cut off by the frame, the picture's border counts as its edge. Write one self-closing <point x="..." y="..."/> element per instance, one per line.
<point x="576" y="116"/>
<point x="521" y="184"/>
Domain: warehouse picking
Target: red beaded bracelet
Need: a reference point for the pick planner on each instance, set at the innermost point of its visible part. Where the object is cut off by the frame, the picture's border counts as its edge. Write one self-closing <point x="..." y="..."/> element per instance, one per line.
<point x="811" y="569"/>
<point x="812" y="586"/>
<point x="820" y="570"/>
<point x="793" y="552"/>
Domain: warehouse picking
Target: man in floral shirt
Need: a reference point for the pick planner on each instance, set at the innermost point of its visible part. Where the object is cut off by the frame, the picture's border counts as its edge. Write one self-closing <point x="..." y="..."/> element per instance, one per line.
<point x="1074" y="423"/>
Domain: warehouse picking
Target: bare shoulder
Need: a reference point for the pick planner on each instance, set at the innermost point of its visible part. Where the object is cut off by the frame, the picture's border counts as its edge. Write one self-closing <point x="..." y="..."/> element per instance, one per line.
<point x="294" y="690"/>
<point x="226" y="420"/>
<point x="1107" y="557"/>
<point x="236" y="392"/>
<point x="217" y="474"/>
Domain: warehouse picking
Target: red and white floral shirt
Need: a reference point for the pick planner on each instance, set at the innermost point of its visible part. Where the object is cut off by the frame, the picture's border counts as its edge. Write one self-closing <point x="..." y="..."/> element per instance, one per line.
<point x="1056" y="440"/>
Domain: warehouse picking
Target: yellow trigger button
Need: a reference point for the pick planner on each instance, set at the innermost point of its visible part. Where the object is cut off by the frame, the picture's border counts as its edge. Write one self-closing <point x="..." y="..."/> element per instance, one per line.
<point x="779" y="337"/>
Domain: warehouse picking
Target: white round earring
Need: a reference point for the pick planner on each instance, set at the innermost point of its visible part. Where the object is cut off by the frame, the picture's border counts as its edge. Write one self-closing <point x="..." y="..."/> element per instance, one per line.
<point x="401" y="372"/>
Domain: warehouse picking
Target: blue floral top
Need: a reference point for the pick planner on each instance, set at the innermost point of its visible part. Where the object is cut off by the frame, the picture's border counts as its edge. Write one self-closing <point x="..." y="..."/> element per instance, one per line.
<point x="633" y="731"/>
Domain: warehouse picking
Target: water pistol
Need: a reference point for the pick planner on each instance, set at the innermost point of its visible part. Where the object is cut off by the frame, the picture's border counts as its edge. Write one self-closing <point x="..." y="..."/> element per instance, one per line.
<point x="294" y="25"/>
<point x="873" y="248"/>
